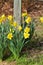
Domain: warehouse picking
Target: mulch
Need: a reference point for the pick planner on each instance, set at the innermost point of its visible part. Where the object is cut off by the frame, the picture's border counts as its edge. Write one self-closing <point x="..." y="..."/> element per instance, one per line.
<point x="6" y="7"/>
<point x="34" y="9"/>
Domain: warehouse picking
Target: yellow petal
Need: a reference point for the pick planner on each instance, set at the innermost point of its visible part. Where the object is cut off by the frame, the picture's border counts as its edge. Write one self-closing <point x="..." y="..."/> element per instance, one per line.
<point x="15" y="24"/>
<point x="10" y="17"/>
<point x="41" y="19"/>
<point x="26" y="35"/>
<point x="28" y="20"/>
<point x="27" y="29"/>
<point x="24" y="14"/>
<point x="9" y="36"/>
<point x="19" y="28"/>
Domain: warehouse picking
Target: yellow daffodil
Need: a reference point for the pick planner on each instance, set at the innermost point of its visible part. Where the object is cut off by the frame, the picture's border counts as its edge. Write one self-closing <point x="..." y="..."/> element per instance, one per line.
<point x="9" y="36"/>
<point x="41" y="19"/>
<point x="26" y="35"/>
<point x="10" y="17"/>
<point x="2" y="18"/>
<point x="24" y="14"/>
<point x="19" y="28"/>
<point x="15" y="24"/>
<point x="27" y="29"/>
<point x="28" y="20"/>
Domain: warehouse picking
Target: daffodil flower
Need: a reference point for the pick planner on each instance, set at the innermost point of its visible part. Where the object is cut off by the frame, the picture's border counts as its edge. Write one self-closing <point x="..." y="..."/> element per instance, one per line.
<point x="28" y="20"/>
<point x="9" y="36"/>
<point x="26" y="35"/>
<point x="10" y="17"/>
<point x="19" y="28"/>
<point x="24" y="14"/>
<point x="27" y="29"/>
<point x="41" y="19"/>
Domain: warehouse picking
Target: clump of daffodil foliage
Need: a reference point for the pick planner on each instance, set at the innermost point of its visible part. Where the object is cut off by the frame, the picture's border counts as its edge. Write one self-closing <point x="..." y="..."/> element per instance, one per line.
<point x="14" y="36"/>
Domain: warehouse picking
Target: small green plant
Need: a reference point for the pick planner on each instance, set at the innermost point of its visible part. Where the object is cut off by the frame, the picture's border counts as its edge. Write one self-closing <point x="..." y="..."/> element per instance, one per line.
<point x="14" y="36"/>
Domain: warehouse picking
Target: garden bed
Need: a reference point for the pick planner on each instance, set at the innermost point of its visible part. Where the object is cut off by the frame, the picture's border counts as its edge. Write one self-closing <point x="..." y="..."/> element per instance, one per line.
<point x="34" y="53"/>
